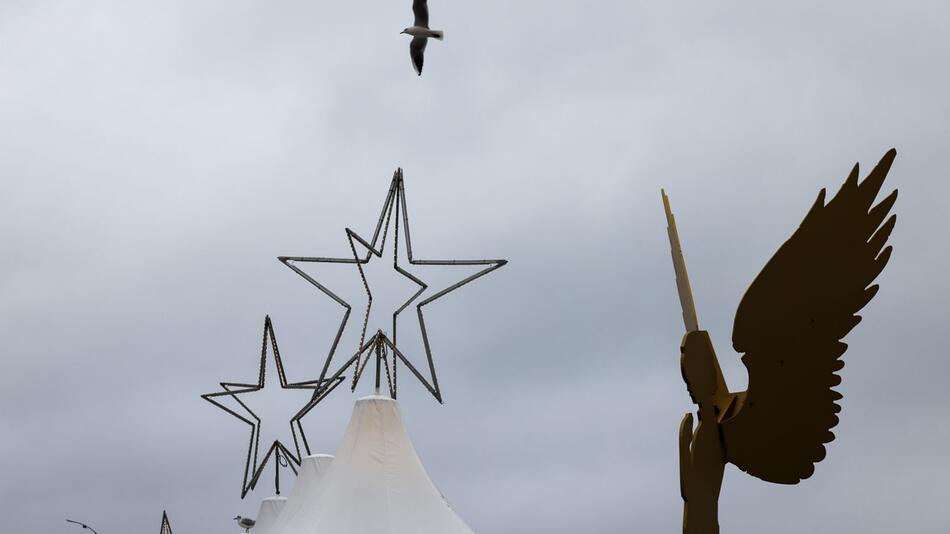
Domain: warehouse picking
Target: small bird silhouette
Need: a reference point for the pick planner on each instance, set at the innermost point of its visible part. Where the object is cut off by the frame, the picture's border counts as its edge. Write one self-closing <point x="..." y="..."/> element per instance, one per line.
<point x="420" y="33"/>
<point x="245" y="522"/>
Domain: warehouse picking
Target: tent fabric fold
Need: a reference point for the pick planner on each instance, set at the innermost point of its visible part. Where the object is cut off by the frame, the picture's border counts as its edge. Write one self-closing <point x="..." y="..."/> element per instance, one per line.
<point x="376" y="484"/>
<point x="305" y="492"/>
<point x="269" y="511"/>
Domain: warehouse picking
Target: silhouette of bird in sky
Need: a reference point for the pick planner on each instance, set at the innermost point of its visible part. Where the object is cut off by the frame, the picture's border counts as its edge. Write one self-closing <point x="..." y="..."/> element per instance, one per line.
<point x="420" y="33"/>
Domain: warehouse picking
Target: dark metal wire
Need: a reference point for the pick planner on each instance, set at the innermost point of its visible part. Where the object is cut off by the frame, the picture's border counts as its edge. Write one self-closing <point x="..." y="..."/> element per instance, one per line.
<point x="166" y="526"/>
<point x="379" y="344"/>
<point x="83" y="525"/>
<point x="252" y="468"/>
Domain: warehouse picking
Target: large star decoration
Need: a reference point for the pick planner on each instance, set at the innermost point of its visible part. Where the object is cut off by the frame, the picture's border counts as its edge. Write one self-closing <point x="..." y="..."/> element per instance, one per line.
<point x="394" y="211"/>
<point x="252" y="467"/>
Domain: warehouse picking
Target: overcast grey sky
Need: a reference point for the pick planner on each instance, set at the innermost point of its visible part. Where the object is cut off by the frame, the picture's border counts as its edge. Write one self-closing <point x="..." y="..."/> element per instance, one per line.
<point x="156" y="157"/>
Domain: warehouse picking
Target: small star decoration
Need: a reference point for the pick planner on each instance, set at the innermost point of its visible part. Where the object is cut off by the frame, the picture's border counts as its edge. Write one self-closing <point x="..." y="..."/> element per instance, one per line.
<point x="252" y="467"/>
<point x="166" y="527"/>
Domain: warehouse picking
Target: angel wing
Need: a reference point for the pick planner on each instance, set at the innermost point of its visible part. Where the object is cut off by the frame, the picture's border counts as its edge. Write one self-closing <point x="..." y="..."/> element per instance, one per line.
<point x="790" y="324"/>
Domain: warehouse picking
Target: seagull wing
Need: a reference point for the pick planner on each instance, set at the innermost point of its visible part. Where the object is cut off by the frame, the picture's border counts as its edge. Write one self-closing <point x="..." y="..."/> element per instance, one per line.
<point x="417" y="48"/>
<point x="790" y="324"/>
<point x="420" y="8"/>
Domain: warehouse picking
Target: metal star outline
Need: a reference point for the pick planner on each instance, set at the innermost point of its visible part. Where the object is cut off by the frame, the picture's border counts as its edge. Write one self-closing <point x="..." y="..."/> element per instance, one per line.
<point x="252" y="468"/>
<point x="166" y="526"/>
<point x="380" y="344"/>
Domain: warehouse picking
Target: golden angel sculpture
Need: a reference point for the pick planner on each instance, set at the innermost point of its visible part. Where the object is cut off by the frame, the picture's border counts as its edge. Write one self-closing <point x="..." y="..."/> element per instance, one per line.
<point x="788" y="327"/>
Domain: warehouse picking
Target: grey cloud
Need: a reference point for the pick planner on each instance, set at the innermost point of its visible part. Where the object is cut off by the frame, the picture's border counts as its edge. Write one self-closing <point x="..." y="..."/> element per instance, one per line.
<point x="155" y="159"/>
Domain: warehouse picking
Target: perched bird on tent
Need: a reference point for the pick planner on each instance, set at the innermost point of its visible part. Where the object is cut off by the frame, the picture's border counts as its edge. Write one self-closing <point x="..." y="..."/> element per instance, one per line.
<point x="245" y="522"/>
<point x="420" y="33"/>
<point x="789" y="327"/>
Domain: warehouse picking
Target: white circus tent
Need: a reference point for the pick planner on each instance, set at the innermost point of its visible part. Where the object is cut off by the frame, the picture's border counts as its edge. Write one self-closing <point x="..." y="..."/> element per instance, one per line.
<point x="267" y="515"/>
<point x="306" y="490"/>
<point x="376" y="484"/>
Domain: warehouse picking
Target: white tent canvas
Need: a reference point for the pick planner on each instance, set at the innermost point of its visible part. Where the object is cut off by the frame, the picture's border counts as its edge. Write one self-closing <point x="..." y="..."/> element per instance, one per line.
<point x="376" y="484"/>
<point x="303" y="496"/>
<point x="267" y="515"/>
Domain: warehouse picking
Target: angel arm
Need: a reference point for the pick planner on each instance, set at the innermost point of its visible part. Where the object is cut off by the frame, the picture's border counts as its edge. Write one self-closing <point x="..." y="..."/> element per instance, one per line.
<point x="686" y="440"/>
<point x="790" y="324"/>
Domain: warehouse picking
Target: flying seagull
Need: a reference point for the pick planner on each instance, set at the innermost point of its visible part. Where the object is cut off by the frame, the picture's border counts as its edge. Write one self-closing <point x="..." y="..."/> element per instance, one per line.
<point x="420" y="33"/>
<point x="245" y="522"/>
